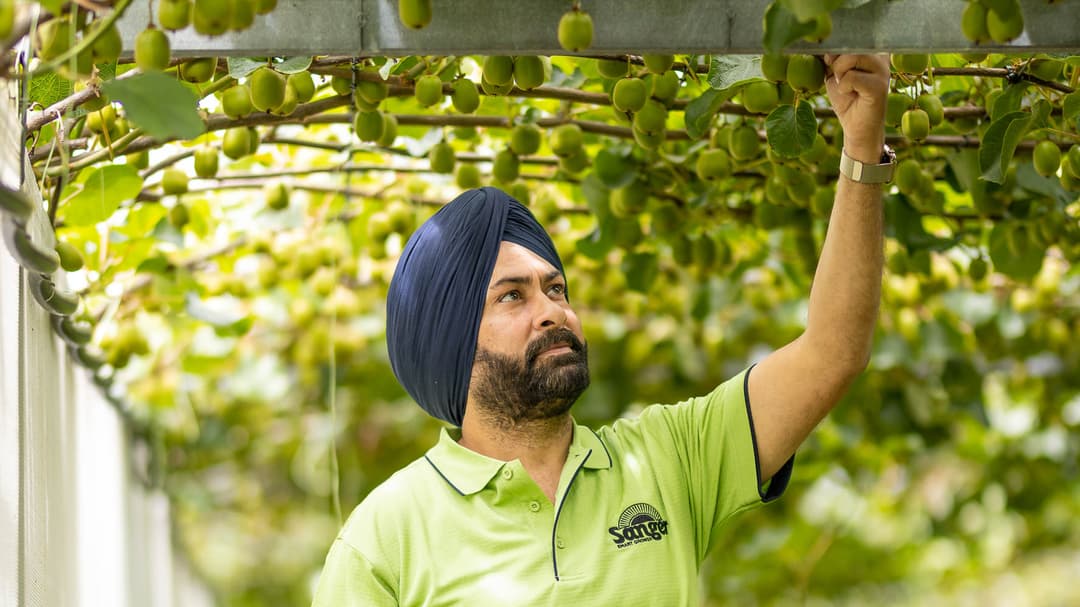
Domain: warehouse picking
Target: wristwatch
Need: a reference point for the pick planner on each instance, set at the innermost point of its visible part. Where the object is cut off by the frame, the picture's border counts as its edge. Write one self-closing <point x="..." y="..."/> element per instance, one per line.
<point x="860" y="172"/>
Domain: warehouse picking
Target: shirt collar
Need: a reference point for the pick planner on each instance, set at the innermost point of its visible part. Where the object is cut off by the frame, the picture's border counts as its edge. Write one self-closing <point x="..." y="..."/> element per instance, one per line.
<point x="468" y="471"/>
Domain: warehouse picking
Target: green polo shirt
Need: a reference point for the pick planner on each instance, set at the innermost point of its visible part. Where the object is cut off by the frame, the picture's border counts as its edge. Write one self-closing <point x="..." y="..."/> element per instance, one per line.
<point x="637" y="507"/>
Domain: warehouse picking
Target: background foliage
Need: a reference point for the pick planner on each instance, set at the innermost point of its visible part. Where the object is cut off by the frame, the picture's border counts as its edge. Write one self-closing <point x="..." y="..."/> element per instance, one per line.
<point x="229" y="270"/>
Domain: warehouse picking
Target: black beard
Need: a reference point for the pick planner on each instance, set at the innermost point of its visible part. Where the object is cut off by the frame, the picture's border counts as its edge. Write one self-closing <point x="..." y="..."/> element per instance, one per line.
<point x="510" y="391"/>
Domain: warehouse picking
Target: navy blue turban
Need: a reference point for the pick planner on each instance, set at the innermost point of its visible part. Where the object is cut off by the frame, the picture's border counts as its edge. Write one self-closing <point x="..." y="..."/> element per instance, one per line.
<point x="437" y="294"/>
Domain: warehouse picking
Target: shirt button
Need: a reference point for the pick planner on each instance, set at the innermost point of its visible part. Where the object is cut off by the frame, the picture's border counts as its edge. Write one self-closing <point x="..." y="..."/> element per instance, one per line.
<point x="534" y="506"/>
<point x="507" y="473"/>
<point x="560" y="544"/>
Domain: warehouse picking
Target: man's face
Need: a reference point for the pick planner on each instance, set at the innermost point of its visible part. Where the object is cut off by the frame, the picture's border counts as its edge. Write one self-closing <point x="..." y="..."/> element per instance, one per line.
<point x="531" y="358"/>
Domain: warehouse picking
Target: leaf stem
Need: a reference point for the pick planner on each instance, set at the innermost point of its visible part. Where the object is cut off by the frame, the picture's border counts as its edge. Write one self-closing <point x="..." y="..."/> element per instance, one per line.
<point x="1060" y="133"/>
<point x="90" y="158"/>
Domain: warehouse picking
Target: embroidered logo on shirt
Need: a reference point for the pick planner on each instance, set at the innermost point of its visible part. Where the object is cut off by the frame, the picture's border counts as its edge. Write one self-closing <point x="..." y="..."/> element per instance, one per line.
<point x="638" y="523"/>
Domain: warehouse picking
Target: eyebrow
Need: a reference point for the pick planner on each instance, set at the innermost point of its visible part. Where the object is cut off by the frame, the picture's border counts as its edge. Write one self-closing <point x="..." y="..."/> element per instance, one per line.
<point x="520" y="280"/>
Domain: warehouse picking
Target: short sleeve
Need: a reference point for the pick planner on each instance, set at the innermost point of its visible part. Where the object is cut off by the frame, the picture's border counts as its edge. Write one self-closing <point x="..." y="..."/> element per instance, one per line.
<point x="349" y="580"/>
<point x="713" y="438"/>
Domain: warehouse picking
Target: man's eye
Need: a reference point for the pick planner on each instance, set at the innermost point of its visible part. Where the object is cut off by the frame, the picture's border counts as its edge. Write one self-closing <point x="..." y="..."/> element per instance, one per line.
<point x="557" y="289"/>
<point x="511" y="296"/>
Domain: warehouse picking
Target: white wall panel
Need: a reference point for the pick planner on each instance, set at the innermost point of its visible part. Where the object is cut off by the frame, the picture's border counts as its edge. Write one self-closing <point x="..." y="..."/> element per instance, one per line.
<point x="10" y="479"/>
<point x="76" y="526"/>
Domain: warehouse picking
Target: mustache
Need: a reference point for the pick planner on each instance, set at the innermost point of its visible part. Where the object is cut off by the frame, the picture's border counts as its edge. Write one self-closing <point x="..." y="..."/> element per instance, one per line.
<point x="549" y="339"/>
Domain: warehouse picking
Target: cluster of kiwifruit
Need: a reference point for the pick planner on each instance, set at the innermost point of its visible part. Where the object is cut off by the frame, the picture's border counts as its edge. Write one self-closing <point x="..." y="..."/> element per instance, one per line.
<point x="575" y="29"/>
<point x="992" y="20"/>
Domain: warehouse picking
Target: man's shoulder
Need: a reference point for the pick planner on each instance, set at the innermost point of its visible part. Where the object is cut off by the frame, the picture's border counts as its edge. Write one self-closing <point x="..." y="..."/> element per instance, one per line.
<point x="684" y="417"/>
<point x="393" y="502"/>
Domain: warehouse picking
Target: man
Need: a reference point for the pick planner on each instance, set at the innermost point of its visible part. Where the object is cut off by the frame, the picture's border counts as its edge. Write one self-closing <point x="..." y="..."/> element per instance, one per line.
<point x="520" y="506"/>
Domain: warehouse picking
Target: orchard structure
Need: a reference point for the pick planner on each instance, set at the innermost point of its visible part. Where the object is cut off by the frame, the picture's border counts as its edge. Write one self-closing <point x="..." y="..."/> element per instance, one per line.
<point x="211" y="242"/>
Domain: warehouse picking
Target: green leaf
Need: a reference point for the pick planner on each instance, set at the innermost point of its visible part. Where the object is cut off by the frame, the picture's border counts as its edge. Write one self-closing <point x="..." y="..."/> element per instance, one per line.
<point x="107" y="71"/>
<point x="201" y="217"/>
<point x="48" y="88"/>
<point x="782" y="28"/>
<point x="292" y="65"/>
<point x="701" y="304"/>
<point x="140" y="221"/>
<point x="237" y="328"/>
<point x="1009" y="100"/>
<point x="53" y="6"/>
<point x="400" y="67"/>
<point x="1014" y="252"/>
<point x="155" y="264"/>
<point x="159" y="105"/>
<point x="1040" y="113"/>
<point x="384" y="69"/>
<point x="890" y="351"/>
<point x="965" y="167"/>
<point x="999" y="143"/>
<point x="614" y="170"/>
<point x="132" y="253"/>
<point x="640" y="270"/>
<point x="729" y="71"/>
<point x="804" y="10"/>
<point x="1071" y="105"/>
<point x="904" y="223"/>
<point x="95" y="198"/>
<point x="596" y="196"/>
<point x="597" y="244"/>
<point x="1028" y="179"/>
<point x="700" y="111"/>
<point x="791" y="130"/>
<point x="240" y="67"/>
<point x="205" y="364"/>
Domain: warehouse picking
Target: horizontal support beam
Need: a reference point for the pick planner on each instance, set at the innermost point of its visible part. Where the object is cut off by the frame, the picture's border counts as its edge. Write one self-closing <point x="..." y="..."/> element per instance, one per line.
<point x="372" y="28"/>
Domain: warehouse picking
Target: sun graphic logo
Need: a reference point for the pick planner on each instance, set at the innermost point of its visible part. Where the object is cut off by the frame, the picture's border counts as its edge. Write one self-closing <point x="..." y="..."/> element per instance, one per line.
<point x="638" y="523"/>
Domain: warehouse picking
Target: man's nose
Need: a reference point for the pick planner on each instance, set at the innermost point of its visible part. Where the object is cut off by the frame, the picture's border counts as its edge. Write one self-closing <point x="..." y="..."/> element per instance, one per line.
<point x="550" y="314"/>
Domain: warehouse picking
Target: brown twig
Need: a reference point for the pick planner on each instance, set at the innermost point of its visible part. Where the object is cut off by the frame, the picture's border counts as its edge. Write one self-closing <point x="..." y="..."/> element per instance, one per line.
<point x="1000" y="72"/>
<point x="36" y="120"/>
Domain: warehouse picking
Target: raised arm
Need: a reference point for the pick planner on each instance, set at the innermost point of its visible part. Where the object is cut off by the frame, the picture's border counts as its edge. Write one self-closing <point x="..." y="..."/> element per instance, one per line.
<point x="796" y="386"/>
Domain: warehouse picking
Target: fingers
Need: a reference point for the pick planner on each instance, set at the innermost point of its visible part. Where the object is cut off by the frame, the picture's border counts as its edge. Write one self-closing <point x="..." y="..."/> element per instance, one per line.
<point x="838" y="65"/>
<point x="863" y="84"/>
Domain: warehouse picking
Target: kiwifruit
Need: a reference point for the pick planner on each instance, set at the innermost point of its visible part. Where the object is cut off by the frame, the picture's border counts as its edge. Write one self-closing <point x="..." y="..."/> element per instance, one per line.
<point x="206" y="162"/>
<point x="629" y="94"/>
<point x="805" y="73"/>
<point x="428" y="90"/>
<point x="575" y="30"/>
<point x="267" y="89"/>
<point x="174" y="181"/>
<point x="415" y="13"/>
<point x="506" y="166"/>
<point x="236" y="101"/>
<point x="174" y="14"/>
<point x="464" y="95"/>
<point x="152" y="50"/>
<point x="528" y="72"/>
<point x="442" y="157"/>
<point x="525" y="139"/>
<point x="658" y="64"/>
<point x="759" y="97"/>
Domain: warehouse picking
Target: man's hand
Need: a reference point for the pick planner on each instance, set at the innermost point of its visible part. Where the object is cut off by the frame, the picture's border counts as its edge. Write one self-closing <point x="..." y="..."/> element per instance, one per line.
<point x="858" y="86"/>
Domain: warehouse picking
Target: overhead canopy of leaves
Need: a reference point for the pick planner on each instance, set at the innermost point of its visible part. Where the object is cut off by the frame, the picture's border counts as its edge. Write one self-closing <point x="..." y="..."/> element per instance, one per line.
<point x="247" y="339"/>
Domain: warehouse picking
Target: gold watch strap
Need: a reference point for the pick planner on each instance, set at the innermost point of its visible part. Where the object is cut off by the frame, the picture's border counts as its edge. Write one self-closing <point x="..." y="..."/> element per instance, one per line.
<point x="861" y="172"/>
